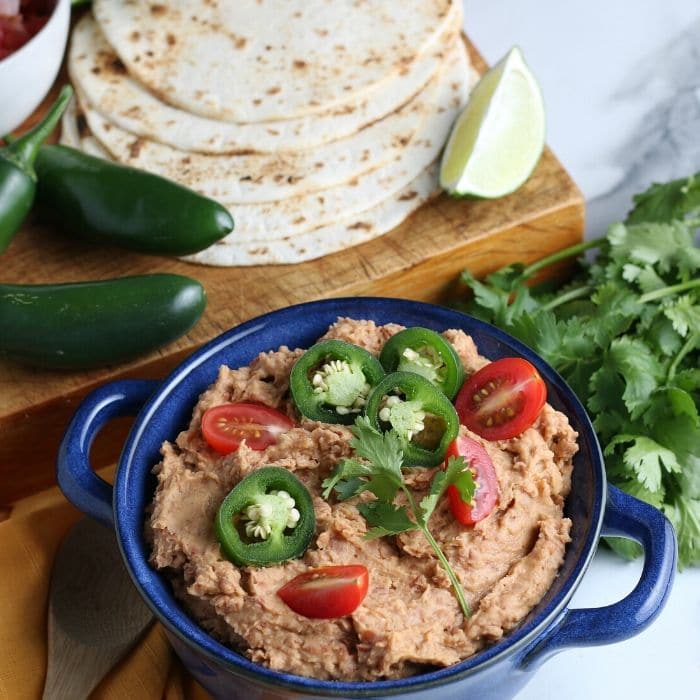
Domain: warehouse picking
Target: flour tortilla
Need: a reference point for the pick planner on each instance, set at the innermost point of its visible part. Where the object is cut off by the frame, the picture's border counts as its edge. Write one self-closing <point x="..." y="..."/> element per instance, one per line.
<point x="364" y="226"/>
<point x="260" y="60"/>
<point x="270" y="177"/>
<point x="96" y="70"/>
<point x="289" y="217"/>
<point x="244" y="250"/>
<point x="77" y="136"/>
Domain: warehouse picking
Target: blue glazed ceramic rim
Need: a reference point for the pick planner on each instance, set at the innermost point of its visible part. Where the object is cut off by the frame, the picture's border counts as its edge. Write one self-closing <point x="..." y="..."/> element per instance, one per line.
<point x="383" y="310"/>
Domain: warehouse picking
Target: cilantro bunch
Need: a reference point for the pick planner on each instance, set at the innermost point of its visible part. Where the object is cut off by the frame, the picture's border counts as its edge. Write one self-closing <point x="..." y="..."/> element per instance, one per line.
<point x="380" y="473"/>
<point x="625" y="334"/>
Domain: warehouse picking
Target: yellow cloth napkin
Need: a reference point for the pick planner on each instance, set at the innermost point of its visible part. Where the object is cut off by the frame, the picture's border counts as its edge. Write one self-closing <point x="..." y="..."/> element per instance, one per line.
<point x="29" y="539"/>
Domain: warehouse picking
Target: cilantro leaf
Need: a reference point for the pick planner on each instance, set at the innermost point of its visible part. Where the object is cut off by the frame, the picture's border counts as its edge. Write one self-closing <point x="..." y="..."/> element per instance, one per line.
<point x="616" y="310"/>
<point x="457" y="473"/>
<point x="490" y="303"/>
<point x="688" y="262"/>
<point x="682" y="403"/>
<point x="662" y="336"/>
<point x="346" y="472"/>
<point x="639" y="368"/>
<point x="688" y="379"/>
<point x="647" y="459"/>
<point x="649" y="243"/>
<point x="684" y="513"/>
<point x="386" y="519"/>
<point x="648" y="280"/>
<point x="627" y="549"/>
<point x="684" y="314"/>
<point x="667" y="201"/>
<point x="383" y="452"/>
<point x="682" y="435"/>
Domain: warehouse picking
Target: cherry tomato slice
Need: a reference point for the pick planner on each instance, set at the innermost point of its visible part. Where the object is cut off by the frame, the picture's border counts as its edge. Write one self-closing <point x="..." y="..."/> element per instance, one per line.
<point x="327" y="592"/>
<point x="486" y="493"/>
<point x="502" y="399"/>
<point x="224" y="427"/>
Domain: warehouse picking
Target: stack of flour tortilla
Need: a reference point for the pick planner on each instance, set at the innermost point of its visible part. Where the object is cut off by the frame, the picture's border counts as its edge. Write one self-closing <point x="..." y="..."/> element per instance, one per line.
<point x="317" y="122"/>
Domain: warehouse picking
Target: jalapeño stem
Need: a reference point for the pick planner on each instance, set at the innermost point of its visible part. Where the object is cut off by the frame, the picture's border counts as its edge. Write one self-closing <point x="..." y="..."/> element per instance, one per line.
<point x="22" y="151"/>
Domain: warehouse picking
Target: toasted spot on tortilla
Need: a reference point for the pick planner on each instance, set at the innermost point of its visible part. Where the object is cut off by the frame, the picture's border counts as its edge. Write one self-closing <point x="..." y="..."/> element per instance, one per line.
<point x="135" y="147"/>
<point x="82" y="125"/>
<point x="117" y="66"/>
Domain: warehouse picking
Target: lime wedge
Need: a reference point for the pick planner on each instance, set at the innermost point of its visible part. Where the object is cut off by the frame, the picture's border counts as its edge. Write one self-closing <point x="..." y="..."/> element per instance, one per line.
<point x="497" y="140"/>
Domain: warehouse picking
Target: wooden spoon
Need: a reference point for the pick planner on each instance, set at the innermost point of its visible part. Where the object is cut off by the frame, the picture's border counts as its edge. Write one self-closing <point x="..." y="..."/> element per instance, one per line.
<point x="95" y="613"/>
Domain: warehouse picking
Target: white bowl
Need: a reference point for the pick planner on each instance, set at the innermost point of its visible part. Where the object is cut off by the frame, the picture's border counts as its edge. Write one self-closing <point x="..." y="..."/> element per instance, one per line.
<point x="26" y="75"/>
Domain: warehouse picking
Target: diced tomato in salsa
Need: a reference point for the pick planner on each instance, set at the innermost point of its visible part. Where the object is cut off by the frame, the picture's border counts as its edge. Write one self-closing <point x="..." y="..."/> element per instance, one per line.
<point x="20" y="20"/>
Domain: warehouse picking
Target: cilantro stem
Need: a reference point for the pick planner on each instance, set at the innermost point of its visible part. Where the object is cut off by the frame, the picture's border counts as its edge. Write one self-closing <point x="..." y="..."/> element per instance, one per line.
<point x="456" y="585"/>
<point x="687" y="347"/>
<point x="562" y="255"/>
<point x="444" y="562"/>
<point x="571" y="295"/>
<point x="667" y="291"/>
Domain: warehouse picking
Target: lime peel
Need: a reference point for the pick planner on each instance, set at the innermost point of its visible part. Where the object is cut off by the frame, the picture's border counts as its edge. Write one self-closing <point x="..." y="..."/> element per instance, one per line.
<point x="498" y="139"/>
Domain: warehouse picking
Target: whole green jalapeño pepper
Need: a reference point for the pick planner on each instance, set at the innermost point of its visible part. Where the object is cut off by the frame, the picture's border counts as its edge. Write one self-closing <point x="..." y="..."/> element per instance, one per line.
<point x="331" y="380"/>
<point x="112" y="203"/>
<point x="427" y="353"/>
<point x="17" y="176"/>
<point x="267" y="518"/>
<point x="79" y="325"/>
<point x="422" y="416"/>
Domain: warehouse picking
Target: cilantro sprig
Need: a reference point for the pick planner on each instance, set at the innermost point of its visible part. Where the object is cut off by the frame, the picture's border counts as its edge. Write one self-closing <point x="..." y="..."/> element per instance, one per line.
<point x="625" y="334"/>
<point x="380" y="473"/>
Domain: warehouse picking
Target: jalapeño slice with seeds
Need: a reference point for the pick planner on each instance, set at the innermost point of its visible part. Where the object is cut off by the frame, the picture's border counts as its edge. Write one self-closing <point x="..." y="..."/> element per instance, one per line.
<point x="330" y="382"/>
<point x="427" y="353"/>
<point x="267" y="518"/>
<point x="422" y="416"/>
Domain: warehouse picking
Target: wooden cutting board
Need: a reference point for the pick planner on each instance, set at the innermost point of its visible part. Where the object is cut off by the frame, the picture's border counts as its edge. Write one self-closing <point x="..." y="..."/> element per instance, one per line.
<point x="421" y="259"/>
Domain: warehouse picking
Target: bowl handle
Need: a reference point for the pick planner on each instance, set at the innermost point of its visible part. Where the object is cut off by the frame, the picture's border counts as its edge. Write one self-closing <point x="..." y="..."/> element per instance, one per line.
<point x="628" y="517"/>
<point x="82" y="487"/>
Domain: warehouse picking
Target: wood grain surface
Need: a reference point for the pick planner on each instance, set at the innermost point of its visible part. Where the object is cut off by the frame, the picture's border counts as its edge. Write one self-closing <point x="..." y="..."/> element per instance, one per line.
<point x="421" y="259"/>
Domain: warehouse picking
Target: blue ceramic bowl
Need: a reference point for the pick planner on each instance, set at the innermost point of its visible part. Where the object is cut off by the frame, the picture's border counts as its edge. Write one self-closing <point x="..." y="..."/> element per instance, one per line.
<point x="163" y="409"/>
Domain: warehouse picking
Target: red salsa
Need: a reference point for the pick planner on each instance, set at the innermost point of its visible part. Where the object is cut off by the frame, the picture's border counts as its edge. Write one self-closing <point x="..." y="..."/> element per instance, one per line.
<point x="20" y="20"/>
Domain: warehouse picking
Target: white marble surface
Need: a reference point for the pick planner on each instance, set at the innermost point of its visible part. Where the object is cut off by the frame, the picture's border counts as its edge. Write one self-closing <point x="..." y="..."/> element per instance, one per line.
<point x="621" y="82"/>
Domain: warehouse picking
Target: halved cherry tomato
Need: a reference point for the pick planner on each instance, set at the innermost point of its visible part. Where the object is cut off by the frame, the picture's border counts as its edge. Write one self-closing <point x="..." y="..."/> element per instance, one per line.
<point x="224" y="427"/>
<point x="326" y="592"/>
<point x="502" y="399"/>
<point x="486" y="493"/>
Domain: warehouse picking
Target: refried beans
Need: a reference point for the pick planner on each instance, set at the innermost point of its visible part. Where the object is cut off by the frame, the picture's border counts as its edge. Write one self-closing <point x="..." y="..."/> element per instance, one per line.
<point x="410" y="619"/>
